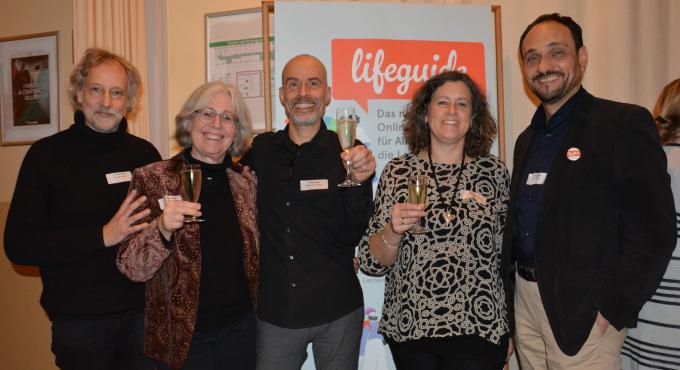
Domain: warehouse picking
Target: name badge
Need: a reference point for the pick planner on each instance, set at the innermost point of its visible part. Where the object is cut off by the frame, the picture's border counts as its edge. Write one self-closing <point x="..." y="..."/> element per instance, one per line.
<point x="468" y="194"/>
<point x="117" y="177"/>
<point x="537" y="178"/>
<point x="321" y="184"/>
<point x="167" y="198"/>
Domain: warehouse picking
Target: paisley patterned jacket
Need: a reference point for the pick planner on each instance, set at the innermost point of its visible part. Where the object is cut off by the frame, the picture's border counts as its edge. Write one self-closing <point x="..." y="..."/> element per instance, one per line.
<point x="172" y="269"/>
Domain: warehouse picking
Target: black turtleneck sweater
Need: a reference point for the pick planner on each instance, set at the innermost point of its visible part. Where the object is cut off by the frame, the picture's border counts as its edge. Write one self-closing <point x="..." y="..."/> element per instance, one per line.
<point x="61" y="202"/>
<point x="223" y="292"/>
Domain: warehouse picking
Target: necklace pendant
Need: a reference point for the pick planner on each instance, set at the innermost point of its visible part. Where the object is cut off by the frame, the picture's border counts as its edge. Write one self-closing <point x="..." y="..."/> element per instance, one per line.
<point x="448" y="216"/>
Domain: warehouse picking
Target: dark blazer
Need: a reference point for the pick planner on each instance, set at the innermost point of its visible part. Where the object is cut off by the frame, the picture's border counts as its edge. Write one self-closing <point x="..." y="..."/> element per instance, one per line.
<point x="606" y="226"/>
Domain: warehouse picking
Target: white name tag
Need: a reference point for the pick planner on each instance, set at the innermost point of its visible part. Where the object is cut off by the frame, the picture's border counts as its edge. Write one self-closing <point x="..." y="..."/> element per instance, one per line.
<point x="116" y="177"/>
<point x="313" y="185"/>
<point x="167" y="198"/>
<point x="468" y="194"/>
<point x="537" y="178"/>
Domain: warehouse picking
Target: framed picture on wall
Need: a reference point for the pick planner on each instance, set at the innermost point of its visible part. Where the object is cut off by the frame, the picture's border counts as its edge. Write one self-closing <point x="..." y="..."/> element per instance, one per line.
<point x="235" y="54"/>
<point x="29" y="81"/>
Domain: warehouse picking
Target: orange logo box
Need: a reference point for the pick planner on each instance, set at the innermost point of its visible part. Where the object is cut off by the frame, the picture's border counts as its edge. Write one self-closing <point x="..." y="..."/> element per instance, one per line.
<point x="365" y="69"/>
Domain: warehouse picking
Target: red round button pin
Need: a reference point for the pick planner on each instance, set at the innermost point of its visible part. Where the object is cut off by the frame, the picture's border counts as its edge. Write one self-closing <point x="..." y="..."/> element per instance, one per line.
<point x="573" y="154"/>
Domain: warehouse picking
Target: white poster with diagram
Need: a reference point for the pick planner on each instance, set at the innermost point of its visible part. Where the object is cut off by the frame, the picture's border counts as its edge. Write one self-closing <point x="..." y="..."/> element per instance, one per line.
<point x="234" y="55"/>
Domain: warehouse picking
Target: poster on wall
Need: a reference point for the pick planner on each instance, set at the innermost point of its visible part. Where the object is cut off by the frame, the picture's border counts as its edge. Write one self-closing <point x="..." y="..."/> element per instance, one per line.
<point x="234" y="55"/>
<point x="377" y="55"/>
<point x="29" y="80"/>
<point x="30" y="90"/>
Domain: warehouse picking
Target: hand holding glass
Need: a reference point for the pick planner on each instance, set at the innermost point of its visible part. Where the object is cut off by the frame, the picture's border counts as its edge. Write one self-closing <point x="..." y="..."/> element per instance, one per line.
<point x="417" y="194"/>
<point x="191" y="187"/>
<point x="346" y="127"/>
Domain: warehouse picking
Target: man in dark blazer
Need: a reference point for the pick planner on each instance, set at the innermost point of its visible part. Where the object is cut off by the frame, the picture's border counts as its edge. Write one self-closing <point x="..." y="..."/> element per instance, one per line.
<point x="591" y="223"/>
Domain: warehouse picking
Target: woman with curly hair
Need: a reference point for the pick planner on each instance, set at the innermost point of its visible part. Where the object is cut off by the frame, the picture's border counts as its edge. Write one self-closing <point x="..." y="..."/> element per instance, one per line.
<point x="445" y="304"/>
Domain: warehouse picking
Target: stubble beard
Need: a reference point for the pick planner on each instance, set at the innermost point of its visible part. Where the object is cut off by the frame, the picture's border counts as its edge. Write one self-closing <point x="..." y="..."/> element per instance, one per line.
<point x="304" y="122"/>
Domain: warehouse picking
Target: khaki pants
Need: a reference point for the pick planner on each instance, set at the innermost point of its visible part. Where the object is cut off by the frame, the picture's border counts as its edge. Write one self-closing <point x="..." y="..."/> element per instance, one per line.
<point x="536" y="346"/>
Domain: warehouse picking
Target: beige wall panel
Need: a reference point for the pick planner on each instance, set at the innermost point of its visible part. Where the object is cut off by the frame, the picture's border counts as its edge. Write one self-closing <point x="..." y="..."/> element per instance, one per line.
<point x="28" y="17"/>
<point x="26" y="336"/>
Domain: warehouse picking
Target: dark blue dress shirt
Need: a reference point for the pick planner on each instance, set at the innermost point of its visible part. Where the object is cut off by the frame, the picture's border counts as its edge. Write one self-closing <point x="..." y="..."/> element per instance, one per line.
<point x="547" y="138"/>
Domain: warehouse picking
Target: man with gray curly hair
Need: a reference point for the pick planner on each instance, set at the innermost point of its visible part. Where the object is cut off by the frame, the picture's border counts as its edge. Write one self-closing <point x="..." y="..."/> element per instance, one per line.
<point x="67" y="218"/>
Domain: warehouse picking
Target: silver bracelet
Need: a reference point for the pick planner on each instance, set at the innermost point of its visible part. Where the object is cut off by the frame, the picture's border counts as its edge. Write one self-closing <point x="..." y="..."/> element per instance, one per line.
<point x="387" y="244"/>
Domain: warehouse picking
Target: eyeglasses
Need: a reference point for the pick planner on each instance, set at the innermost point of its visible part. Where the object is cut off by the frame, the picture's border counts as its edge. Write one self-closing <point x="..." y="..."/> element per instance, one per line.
<point x="207" y="115"/>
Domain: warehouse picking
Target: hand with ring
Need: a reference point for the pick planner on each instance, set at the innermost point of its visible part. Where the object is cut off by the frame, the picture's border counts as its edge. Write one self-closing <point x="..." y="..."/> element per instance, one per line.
<point x="405" y="215"/>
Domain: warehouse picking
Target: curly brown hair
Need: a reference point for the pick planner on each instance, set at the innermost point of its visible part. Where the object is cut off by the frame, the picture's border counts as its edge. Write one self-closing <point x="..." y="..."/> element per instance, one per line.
<point x="482" y="130"/>
<point x="667" y="112"/>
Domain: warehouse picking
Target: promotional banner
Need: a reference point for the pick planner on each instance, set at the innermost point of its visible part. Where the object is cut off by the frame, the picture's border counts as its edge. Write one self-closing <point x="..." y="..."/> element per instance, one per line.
<point x="377" y="55"/>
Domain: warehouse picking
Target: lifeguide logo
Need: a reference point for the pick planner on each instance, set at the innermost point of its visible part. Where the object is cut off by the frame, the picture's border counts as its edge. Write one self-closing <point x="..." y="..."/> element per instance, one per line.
<point x="366" y="69"/>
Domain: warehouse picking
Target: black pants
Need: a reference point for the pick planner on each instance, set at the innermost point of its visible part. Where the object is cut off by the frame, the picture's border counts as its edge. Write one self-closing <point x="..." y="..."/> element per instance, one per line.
<point x="465" y="352"/>
<point x="228" y="348"/>
<point x="102" y="344"/>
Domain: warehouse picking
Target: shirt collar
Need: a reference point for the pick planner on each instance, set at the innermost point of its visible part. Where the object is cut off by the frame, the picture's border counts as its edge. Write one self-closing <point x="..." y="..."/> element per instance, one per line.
<point x="320" y="141"/>
<point x="96" y="137"/>
<point x="538" y="121"/>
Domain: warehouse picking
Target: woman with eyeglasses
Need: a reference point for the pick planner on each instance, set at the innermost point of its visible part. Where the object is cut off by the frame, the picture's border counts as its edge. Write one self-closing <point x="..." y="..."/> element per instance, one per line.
<point x="201" y="277"/>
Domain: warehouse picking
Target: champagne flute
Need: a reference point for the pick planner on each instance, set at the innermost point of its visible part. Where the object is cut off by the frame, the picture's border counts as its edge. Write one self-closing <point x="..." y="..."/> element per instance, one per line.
<point x="346" y="127"/>
<point x="191" y="187"/>
<point x="417" y="194"/>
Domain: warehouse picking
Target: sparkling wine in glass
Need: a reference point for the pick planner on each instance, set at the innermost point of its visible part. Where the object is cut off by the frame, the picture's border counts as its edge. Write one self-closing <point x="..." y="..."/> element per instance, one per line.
<point x="191" y="187"/>
<point x="346" y="127"/>
<point x="417" y="194"/>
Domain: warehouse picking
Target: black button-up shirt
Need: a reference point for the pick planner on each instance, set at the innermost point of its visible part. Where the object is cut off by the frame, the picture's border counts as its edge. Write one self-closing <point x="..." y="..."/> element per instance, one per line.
<point x="308" y="237"/>
<point x="546" y="142"/>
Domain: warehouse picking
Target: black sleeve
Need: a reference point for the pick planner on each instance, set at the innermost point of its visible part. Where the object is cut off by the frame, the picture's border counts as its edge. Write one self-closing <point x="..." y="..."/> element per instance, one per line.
<point x="249" y="158"/>
<point x="358" y="209"/>
<point x="29" y="239"/>
<point x="507" y="259"/>
<point x="646" y="216"/>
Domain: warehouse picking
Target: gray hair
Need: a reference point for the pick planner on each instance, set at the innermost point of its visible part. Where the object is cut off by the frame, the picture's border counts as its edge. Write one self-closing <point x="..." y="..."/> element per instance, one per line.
<point x="200" y="99"/>
<point x="93" y="58"/>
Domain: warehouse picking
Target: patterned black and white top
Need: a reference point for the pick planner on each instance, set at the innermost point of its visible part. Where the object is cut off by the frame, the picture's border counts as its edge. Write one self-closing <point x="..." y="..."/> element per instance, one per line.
<point x="445" y="282"/>
<point x="655" y="342"/>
